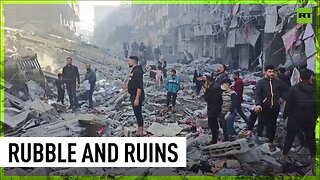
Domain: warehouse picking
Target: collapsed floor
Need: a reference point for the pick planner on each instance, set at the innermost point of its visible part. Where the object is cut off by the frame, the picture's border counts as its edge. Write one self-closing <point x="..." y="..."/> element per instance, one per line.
<point x="31" y="111"/>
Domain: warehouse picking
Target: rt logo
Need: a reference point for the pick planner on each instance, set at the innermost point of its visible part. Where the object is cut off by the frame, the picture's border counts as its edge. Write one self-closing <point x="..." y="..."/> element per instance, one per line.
<point x="304" y="15"/>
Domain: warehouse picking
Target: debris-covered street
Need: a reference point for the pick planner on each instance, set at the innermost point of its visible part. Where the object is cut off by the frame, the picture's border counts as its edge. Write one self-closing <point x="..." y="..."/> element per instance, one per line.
<point x="34" y="58"/>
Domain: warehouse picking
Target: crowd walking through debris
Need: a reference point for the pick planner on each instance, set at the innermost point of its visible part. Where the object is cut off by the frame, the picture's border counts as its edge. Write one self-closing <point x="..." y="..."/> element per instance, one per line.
<point x="241" y="111"/>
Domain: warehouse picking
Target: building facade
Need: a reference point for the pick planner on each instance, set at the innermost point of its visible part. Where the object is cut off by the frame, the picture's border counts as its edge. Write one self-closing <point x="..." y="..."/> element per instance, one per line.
<point x="241" y="36"/>
<point x="48" y="18"/>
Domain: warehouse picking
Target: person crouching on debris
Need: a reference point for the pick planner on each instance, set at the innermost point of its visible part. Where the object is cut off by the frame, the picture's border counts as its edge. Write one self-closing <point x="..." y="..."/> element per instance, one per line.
<point x="213" y="98"/>
<point x="302" y="115"/>
<point x="229" y="104"/>
<point x="60" y="88"/>
<point x="135" y="89"/>
<point x="172" y="86"/>
<point x="90" y="82"/>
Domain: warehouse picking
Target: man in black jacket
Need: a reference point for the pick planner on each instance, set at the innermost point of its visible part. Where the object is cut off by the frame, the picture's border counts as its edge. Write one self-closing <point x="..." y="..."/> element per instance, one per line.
<point x="214" y="101"/>
<point x="70" y="75"/>
<point x="221" y="69"/>
<point x="135" y="89"/>
<point x="301" y="113"/>
<point x="91" y="78"/>
<point x="270" y="92"/>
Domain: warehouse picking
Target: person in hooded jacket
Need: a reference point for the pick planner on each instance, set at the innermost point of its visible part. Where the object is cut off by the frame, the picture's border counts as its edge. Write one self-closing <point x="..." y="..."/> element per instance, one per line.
<point x="302" y="114"/>
<point x="172" y="87"/>
<point x="213" y="98"/>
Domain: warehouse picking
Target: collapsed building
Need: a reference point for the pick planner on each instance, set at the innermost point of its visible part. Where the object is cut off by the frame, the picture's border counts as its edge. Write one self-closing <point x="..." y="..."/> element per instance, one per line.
<point x="242" y="36"/>
<point x="59" y="19"/>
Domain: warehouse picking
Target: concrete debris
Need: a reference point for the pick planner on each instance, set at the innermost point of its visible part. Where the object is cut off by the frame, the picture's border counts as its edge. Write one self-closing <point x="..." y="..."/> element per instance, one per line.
<point x="272" y="163"/>
<point x="158" y="130"/>
<point x="227" y="172"/>
<point x="266" y="151"/>
<point x="35" y="91"/>
<point x="233" y="164"/>
<point x="235" y="147"/>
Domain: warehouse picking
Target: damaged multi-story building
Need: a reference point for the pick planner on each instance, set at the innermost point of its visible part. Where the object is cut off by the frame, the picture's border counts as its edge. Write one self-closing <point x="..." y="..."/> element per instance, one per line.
<point x="59" y="19"/>
<point x="242" y="36"/>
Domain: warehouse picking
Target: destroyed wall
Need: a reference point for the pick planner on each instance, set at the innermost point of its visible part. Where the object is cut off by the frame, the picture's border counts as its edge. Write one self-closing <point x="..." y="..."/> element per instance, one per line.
<point x="238" y="35"/>
<point x="54" y="18"/>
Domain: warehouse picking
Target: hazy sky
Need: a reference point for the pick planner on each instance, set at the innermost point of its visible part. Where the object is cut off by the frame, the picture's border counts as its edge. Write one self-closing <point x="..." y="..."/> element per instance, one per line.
<point x="86" y="12"/>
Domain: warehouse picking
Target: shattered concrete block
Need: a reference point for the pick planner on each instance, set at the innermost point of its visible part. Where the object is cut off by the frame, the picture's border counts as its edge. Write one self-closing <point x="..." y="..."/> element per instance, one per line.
<point x="203" y="140"/>
<point x="227" y="172"/>
<point x="137" y="172"/>
<point x="190" y="144"/>
<point x="266" y="151"/>
<point x="253" y="155"/>
<point x="42" y="107"/>
<point x="128" y="131"/>
<point x="233" y="164"/>
<point x="41" y="171"/>
<point x="227" y="148"/>
<point x="272" y="163"/>
<point x="15" y="172"/>
<point x="157" y="129"/>
<point x="202" y="123"/>
<point x="14" y="120"/>
<point x="163" y="171"/>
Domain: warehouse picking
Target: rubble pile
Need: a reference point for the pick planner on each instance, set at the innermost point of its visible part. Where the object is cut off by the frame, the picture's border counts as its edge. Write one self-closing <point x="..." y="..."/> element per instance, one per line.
<point x="31" y="111"/>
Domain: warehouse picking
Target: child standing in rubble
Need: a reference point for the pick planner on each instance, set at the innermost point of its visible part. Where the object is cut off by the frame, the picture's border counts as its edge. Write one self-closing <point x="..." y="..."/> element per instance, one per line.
<point x="60" y="88"/>
<point x="229" y="104"/>
<point x="172" y="87"/>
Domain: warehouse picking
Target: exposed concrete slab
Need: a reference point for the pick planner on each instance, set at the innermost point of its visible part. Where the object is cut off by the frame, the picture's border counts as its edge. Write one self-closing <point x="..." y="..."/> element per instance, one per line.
<point x="272" y="163"/>
<point x="157" y="129"/>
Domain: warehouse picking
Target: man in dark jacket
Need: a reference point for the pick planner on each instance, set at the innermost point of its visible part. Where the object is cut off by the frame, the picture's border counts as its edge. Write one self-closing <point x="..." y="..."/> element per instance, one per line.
<point x="134" y="48"/>
<point x="213" y="98"/>
<point x="301" y="113"/>
<point x="91" y="78"/>
<point x="70" y="74"/>
<point x="157" y="53"/>
<point x="125" y="47"/>
<point x="135" y="89"/>
<point x="282" y="75"/>
<point x="270" y="92"/>
<point x="221" y="69"/>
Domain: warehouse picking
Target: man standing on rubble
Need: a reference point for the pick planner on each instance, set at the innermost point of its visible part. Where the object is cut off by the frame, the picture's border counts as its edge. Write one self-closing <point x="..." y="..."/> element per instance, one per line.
<point x="214" y="101"/>
<point x="157" y="53"/>
<point x="125" y="47"/>
<point x="270" y="92"/>
<point x="90" y="77"/>
<point x="134" y="48"/>
<point x="135" y="89"/>
<point x="70" y="74"/>
<point x="302" y="114"/>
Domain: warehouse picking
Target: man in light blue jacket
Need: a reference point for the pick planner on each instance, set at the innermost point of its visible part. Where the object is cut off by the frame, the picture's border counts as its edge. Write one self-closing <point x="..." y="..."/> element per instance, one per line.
<point x="172" y="87"/>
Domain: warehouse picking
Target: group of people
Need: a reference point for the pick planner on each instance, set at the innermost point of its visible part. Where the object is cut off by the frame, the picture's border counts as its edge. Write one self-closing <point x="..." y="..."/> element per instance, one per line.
<point x="143" y="52"/>
<point x="134" y="86"/>
<point x="69" y="79"/>
<point x="272" y="92"/>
